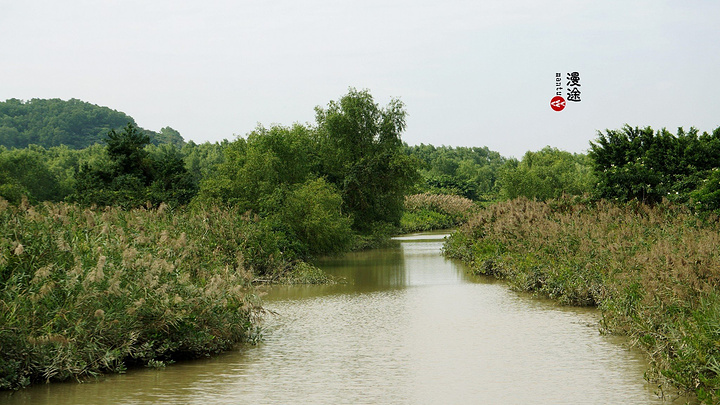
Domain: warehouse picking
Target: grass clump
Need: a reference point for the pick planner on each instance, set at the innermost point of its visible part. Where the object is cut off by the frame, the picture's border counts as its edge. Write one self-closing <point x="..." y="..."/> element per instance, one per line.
<point x="425" y="212"/>
<point x="86" y="291"/>
<point x="653" y="271"/>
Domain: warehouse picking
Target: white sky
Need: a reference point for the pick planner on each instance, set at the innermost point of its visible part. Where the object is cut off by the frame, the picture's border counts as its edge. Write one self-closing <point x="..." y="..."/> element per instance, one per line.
<point x="471" y="73"/>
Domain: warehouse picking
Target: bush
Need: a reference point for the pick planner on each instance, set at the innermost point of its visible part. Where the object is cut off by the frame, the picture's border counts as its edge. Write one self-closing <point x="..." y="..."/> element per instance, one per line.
<point x="312" y="211"/>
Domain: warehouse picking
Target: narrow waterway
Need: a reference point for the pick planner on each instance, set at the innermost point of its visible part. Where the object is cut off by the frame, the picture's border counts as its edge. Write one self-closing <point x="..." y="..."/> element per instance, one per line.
<point x="407" y="327"/>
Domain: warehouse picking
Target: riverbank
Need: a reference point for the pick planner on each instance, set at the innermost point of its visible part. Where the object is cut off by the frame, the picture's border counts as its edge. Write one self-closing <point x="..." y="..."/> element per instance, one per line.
<point x="654" y="272"/>
<point x="85" y="292"/>
<point x="408" y="326"/>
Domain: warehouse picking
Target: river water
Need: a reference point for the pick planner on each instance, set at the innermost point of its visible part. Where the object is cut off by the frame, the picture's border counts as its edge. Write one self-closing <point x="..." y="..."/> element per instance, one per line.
<point x="407" y="327"/>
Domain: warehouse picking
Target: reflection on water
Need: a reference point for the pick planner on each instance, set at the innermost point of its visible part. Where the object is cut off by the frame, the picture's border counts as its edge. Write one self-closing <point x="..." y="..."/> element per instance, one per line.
<point x="407" y="327"/>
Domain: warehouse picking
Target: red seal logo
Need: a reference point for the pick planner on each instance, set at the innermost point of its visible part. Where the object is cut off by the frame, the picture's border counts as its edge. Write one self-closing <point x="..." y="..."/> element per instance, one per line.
<point x="557" y="103"/>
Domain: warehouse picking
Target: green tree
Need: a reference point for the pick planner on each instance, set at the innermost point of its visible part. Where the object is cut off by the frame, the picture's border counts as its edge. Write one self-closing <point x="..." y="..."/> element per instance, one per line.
<point x="468" y="172"/>
<point x="312" y="213"/>
<point x="253" y="169"/>
<point x="131" y="176"/>
<point x="639" y="163"/>
<point x="272" y="173"/>
<point x="126" y="150"/>
<point x="201" y="160"/>
<point x="548" y="173"/>
<point x="362" y="154"/>
<point x="169" y="136"/>
<point x="171" y="182"/>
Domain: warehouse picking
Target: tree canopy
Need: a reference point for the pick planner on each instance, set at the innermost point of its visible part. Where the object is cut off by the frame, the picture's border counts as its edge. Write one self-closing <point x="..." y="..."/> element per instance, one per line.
<point x="647" y="165"/>
<point x="547" y="173"/>
<point x="362" y="154"/>
<point x="470" y="172"/>
<point x="130" y="176"/>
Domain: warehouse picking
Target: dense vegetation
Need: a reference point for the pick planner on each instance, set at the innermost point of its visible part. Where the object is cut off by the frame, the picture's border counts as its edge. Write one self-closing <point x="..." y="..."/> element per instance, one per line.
<point x="88" y="291"/>
<point x="484" y="176"/>
<point x="653" y="271"/>
<point x="641" y="245"/>
<point x="73" y="123"/>
<point x="468" y="172"/>
<point x="547" y="173"/>
<point x="91" y="203"/>
<point x="130" y="175"/>
<point x="130" y="253"/>
<point x="425" y="212"/>
<point x="647" y="165"/>
<point x="354" y="150"/>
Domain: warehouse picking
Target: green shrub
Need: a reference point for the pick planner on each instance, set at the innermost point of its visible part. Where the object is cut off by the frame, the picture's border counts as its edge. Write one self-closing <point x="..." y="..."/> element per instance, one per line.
<point x="313" y="213"/>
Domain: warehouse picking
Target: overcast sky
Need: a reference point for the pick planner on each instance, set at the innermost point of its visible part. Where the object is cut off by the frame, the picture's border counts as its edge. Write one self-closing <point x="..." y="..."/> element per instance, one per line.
<point x="471" y="73"/>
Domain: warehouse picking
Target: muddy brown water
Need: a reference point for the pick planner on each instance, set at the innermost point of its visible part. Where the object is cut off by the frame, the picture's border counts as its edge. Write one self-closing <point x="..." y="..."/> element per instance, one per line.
<point x="408" y="327"/>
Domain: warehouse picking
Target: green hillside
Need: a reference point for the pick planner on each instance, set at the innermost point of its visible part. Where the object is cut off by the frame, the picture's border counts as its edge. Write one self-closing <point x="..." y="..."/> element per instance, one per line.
<point x="75" y="123"/>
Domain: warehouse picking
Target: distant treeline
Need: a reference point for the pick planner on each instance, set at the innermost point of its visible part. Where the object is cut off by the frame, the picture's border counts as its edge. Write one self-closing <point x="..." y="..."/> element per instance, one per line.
<point x="147" y="167"/>
<point x="73" y="123"/>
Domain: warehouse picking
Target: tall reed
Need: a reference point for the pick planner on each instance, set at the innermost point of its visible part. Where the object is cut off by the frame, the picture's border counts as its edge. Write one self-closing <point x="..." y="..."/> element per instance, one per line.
<point x="87" y="291"/>
<point x="424" y="212"/>
<point x="653" y="271"/>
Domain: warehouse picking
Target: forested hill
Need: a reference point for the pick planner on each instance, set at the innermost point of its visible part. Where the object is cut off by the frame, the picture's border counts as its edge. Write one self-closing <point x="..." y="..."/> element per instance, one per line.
<point x="75" y="123"/>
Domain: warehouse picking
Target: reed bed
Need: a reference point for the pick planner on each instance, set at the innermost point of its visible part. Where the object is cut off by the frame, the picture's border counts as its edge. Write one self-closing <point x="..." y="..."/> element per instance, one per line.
<point x="424" y="212"/>
<point x="89" y="291"/>
<point x="653" y="271"/>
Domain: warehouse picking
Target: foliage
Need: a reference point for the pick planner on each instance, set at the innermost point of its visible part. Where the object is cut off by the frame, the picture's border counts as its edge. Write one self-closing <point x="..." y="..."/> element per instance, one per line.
<point x="171" y="182"/>
<point x="707" y="196"/>
<point x="639" y="163"/>
<point x="200" y="159"/>
<point x="74" y="123"/>
<point x="52" y="174"/>
<point x="253" y="169"/>
<point x="131" y="177"/>
<point x="272" y="173"/>
<point x="355" y="148"/>
<point x="468" y="172"/>
<point x="126" y="151"/>
<point x="311" y="211"/>
<point x="653" y="271"/>
<point x="25" y="172"/>
<point x="312" y="182"/>
<point x="86" y="291"/>
<point x="361" y="153"/>
<point x="547" y="173"/>
<point x="304" y="273"/>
